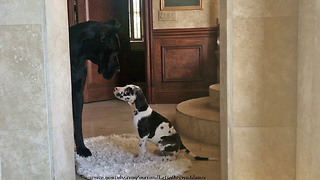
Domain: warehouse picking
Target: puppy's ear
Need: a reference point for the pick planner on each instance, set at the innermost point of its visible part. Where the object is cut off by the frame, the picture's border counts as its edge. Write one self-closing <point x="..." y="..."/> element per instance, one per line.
<point x="136" y="90"/>
<point x="141" y="102"/>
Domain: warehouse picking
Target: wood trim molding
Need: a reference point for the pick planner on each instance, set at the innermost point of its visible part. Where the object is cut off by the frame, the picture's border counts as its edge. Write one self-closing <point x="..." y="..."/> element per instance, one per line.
<point x="148" y="20"/>
<point x="163" y="7"/>
<point x="185" y="32"/>
<point x="71" y="14"/>
<point x="81" y="6"/>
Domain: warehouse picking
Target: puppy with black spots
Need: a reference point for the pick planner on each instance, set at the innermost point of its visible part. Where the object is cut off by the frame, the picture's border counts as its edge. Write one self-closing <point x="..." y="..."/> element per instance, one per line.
<point x="152" y="126"/>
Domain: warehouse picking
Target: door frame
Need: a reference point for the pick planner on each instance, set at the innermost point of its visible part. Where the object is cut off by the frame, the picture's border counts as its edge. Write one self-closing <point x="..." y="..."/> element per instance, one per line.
<point x="148" y="17"/>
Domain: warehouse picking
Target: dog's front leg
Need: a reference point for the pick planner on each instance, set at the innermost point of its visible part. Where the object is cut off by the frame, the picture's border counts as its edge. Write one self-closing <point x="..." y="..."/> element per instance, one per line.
<point x="77" y="103"/>
<point x="142" y="148"/>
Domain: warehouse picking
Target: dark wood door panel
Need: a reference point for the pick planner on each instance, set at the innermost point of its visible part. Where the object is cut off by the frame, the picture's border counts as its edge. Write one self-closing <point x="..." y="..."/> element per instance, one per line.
<point x="181" y="63"/>
<point x="97" y="88"/>
<point x="184" y="65"/>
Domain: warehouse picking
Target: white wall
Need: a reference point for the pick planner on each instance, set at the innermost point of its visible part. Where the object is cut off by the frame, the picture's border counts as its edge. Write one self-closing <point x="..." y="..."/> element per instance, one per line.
<point x="189" y="18"/>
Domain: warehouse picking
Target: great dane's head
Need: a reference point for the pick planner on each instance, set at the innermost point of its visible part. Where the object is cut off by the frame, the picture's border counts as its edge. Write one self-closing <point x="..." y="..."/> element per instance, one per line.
<point x="128" y="93"/>
<point x="109" y="47"/>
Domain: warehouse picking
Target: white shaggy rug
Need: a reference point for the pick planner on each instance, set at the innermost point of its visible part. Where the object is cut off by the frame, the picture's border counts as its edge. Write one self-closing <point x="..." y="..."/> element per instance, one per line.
<point x="113" y="158"/>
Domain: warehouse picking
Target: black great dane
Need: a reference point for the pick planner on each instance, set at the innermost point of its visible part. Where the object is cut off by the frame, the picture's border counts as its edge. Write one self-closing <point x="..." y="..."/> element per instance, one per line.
<point x="99" y="43"/>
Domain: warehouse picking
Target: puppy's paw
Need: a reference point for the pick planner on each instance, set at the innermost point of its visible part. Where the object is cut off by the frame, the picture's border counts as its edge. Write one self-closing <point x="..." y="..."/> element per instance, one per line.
<point x="157" y="152"/>
<point x="84" y="152"/>
<point x="155" y="158"/>
<point x="163" y="158"/>
<point x="138" y="159"/>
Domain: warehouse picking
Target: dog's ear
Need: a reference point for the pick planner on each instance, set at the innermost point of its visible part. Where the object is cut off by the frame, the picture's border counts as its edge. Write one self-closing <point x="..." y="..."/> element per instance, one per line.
<point x="113" y="27"/>
<point x="104" y="34"/>
<point x="113" y="23"/>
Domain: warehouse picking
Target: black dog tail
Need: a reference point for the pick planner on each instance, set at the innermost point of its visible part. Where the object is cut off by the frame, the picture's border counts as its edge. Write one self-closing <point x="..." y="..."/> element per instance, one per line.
<point x="199" y="158"/>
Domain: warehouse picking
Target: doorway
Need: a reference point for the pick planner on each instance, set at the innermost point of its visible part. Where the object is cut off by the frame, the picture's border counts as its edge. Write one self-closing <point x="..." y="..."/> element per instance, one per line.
<point x="133" y="54"/>
<point x="171" y="65"/>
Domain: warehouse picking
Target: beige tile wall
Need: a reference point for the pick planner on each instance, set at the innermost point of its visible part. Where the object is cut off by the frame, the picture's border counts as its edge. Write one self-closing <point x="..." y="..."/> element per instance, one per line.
<point x="36" y="130"/>
<point x="264" y="153"/>
<point x="308" y="124"/>
<point x="23" y="127"/>
<point x="261" y="109"/>
<point x="189" y="18"/>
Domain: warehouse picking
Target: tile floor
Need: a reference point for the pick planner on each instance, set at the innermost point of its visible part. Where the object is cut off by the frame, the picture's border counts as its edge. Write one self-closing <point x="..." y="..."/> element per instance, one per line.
<point x="114" y="117"/>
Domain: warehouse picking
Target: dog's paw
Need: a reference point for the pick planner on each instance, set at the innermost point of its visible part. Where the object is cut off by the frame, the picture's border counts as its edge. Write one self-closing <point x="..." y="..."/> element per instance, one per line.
<point x="84" y="152"/>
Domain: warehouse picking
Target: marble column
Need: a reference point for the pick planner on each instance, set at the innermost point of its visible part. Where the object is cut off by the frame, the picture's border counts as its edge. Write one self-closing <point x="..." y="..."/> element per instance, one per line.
<point x="259" y="88"/>
<point x="36" y="129"/>
<point x="308" y="134"/>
